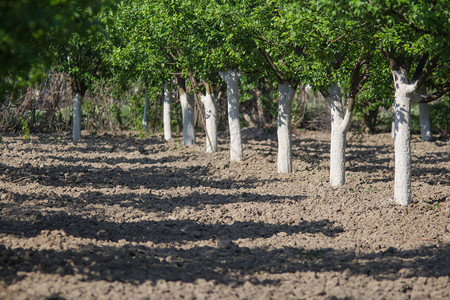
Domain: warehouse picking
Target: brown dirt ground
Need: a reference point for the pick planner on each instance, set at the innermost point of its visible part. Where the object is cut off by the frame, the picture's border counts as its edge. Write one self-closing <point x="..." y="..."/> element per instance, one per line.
<point x="116" y="217"/>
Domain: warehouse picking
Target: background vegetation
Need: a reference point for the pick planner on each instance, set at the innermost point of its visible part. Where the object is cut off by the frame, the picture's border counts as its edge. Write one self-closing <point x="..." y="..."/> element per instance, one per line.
<point x="109" y="49"/>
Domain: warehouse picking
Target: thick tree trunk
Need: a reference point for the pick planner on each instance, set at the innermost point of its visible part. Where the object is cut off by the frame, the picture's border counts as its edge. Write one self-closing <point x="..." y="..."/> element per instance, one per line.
<point x="425" y="126"/>
<point x="187" y="109"/>
<point x="402" y="113"/>
<point x="166" y="114"/>
<point x="285" y="95"/>
<point x="231" y="77"/>
<point x="339" y="126"/>
<point x="209" y="102"/>
<point x="144" y="117"/>
<point x="337" y="156"/>
<point x="76" y="120"/>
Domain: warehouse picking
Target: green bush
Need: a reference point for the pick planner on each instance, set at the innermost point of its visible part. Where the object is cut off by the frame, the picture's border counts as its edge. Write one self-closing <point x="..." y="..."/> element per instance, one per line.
<point x="25" y="130"/>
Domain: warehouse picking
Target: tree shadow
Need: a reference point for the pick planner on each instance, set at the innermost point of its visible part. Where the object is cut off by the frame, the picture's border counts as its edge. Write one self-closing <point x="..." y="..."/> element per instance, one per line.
<point x="228" y="264"/>
<point x="165" y="231"/>
<point x="146" y="175"/>
<point x="145" y="202"/>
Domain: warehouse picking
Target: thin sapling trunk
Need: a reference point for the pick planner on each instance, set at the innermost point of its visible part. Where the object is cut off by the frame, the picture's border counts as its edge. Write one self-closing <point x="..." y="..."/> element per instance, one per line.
<point x="77" y="100"/>
<point x="166" y="114"/>
<point x="187" y="109"/>
<point x="209" y="102"/>
<point x="144" y="117"/>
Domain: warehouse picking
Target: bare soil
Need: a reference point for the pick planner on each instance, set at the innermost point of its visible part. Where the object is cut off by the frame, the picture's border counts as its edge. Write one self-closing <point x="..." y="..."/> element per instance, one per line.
<point x="117" y="217"/>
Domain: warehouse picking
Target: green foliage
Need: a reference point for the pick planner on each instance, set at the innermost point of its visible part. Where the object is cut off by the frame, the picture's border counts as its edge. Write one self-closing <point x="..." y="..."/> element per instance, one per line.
<point x="25" y="130"/>
<point x="82" y="60"/>
<point x="27" y="28"/>
<point x="117" y="113"/>
<point x="302" y="42"/>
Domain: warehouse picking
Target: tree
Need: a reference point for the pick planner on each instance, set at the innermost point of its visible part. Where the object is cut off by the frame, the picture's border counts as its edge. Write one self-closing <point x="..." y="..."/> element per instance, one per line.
<point x="135" y="51"/>
<point x="231" y="51"/>
<point x="268" y="25"/>
<point x="82" y="60"/>
<point x="413" y="37"/>
<point x="328" y="53"/>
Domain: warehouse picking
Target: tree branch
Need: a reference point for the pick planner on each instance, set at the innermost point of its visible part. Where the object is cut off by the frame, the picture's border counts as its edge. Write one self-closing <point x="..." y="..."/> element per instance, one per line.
<point x="428" y="70"/>
<point x="420" y="66"/>
<point x="262" y="38"/>
<point x="436" y="95"/>
<point x="272" y="66"/>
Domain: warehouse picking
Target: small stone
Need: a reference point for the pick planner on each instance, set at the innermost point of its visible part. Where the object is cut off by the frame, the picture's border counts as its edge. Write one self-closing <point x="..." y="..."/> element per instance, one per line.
<point x="102" y="234"/>
<point x="60" y="270"/>
<point x="224" y="244"/>
<point x="171" y="258"/>
<point x="347" y="273"/>
<point x="28" y="256"/>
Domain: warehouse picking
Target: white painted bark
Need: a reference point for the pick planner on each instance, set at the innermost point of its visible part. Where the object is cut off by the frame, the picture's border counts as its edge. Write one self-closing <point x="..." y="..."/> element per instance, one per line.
<point x="425" y="126"/>
<point x="285" y="96"/>
<point x="187" y="109"/>
<point x="402" y="112"/>
<point x="393" y="124"/>
<point x="231" y="77"/>
<point x="209" y="102"/>
<point x="340" y="123"/>
<point x="144" y="116"/>
<point x="76" y="117"/>
<point x="166" y="114"/>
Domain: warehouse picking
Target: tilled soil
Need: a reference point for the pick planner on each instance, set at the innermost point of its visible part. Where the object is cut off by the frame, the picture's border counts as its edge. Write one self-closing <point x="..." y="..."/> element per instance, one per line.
<point x="116" y="217"/>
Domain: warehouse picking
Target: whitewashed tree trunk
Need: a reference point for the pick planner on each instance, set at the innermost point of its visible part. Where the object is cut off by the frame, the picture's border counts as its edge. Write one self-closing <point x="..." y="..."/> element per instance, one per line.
<point x="76" y="120"/>
<point x="209" y="102"/>
<point x="187" y="109"/>
<point x="425" y="126"/>
<point x="393" y="123"/>
<point x="166" y="114"/>
<point x="402" y="112"/>
<point x="144" y="116"/>
<point x="340" y="122"/>
<point x="231" y="77"/>
<point x="285" y="96"/>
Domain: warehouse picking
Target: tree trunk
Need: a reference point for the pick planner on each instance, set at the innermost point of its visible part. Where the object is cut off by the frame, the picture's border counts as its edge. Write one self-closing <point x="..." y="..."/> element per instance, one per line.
<point x="209" y="102"/>
<point x="425" y="126"/>
<point x="144" y="117"/>
<point x="231" y="77"/>
<point x="339" y="126"/>
<point x="370" y="120"/>
<point x="187" y="109"/>
<point x="166" y="114"/>
<point x="393" y="123"/>
<point x="285" y="95"/>
<point x="259" y="106"/>
<point x="77" y="99"/>
<point x="402" y="130"/>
